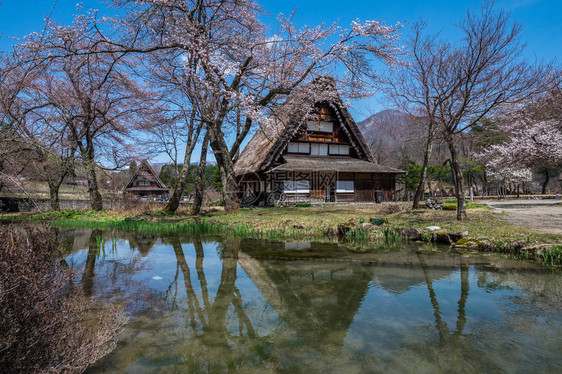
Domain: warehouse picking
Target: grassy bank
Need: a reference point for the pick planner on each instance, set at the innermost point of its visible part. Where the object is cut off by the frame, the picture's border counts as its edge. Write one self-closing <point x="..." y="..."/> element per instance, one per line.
<point x="321" y="222"/>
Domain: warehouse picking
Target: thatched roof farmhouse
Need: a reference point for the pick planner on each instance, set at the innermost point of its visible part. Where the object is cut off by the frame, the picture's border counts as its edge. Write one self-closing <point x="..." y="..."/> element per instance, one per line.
<point x="312" y="151"/>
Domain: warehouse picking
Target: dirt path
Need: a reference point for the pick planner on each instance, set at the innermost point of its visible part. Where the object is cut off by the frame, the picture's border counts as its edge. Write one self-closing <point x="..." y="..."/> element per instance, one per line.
<point x="542" y="215"/>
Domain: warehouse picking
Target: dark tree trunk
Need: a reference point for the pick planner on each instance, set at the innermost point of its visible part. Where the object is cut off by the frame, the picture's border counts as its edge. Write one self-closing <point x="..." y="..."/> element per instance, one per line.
<point x="546" y="180"/>
<point x="177" y="193"/>
<point x="1" y="179"/>
<point x="54" y="196"/>
<point x="427" y="155"/>
<point x="458" y="178"/>
<point x="226" y="167"/>
<point x="199" y="179"/>
<point x="96" y="201"/>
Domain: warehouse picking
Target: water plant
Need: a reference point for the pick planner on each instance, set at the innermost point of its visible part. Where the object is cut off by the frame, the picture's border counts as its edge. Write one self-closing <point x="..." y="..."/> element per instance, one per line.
<point x="552" y="256"/>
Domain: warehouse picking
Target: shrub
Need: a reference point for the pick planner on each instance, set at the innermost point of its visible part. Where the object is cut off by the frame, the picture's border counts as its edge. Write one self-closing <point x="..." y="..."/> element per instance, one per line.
<point x="391" y="208"/>
<point x="377" y="221"/>
<point x="46" y="326"/>
<point x="303" y="205"/>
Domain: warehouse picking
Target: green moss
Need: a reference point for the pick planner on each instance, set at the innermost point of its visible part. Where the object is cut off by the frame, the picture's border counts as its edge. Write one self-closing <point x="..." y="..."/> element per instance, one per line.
<point x="471" y="242"/>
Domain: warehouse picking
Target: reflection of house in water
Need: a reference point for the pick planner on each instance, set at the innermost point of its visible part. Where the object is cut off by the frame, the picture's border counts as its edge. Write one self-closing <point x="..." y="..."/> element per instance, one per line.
<point x="142" y="242"/>
<point x="319" y="298"/>
<point x="316" y="299"/>
<point x="401" y="280"/>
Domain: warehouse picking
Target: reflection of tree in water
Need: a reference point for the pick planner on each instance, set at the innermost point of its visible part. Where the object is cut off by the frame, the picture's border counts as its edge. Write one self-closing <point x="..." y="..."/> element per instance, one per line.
<point x="314" y="302"/>
<point x="89" y="270"/>
<point x="441" y="326"/>
<point x="212" y="345"/>
<point x="453" y="351"/>
<point x="115" y="272"/>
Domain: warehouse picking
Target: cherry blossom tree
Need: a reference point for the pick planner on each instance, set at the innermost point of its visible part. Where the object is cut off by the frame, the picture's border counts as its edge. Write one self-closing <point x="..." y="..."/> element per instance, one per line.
<point x="29" y="142"/>
<point x="237" y="70"/>
<point x="91" y="97"/>
<point x="529" y="144"/>
<point x="532" y="137"/>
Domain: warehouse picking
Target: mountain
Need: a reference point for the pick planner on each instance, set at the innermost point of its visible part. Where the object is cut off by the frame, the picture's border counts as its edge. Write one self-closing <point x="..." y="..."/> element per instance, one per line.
<point x="392" y="136"/>
<point x="390" y="125"/>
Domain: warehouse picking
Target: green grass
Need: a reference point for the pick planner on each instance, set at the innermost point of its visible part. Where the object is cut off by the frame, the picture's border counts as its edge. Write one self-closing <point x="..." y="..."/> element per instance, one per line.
<point x="312" y="223"/>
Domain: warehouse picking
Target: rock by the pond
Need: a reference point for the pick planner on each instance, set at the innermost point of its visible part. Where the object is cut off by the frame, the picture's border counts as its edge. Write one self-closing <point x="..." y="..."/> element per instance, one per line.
<point x="433" y="203"/>
<point x="441" y="237"/>
<point x="536" y="249"/>
<point x="411" y="233"/>
<point x="479" y="244"/>
<point x="444" y="237"/>
<point x="467" y="244"/>
<point x="456" y="236"/>
<point x="367" y="225"/>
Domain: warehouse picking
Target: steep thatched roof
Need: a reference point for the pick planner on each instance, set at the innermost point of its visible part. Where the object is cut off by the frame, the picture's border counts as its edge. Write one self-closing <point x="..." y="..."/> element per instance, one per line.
<point x="269" y="141"/>
<point x="147" y="173"/>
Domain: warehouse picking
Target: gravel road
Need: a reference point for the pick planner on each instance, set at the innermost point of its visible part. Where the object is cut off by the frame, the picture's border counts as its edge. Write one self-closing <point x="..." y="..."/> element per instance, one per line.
<point x="542" y="215"/>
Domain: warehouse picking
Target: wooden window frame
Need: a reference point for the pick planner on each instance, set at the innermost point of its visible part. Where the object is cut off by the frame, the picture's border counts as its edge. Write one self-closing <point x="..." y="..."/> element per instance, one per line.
<point x="345" y="191"/>
<point x="299" y="153"/>
<point x="339" y="145"/>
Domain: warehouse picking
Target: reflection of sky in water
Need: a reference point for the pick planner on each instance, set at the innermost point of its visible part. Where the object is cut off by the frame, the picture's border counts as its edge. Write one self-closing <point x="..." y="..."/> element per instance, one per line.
<point x="238" y="310"/>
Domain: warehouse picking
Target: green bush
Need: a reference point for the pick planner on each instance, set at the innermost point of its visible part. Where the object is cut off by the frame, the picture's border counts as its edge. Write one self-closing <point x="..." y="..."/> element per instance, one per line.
<point x="377" y="221"/>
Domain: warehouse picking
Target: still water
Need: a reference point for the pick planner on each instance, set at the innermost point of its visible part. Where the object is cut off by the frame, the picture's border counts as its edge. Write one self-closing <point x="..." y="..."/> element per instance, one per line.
<point x="249" y="306"/>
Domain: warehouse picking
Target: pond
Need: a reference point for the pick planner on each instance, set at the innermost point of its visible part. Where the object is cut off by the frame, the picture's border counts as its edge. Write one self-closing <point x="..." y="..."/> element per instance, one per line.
<point x="253" y="306"/>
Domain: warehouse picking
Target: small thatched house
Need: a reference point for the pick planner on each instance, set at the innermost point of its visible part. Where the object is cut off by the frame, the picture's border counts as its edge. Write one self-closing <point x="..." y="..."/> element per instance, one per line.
<point x="145" y="184"/>
<point x="313" y="152"/>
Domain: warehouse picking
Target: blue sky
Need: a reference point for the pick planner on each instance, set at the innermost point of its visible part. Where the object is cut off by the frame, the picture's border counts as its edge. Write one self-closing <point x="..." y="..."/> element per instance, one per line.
<point x="541" y="20"/>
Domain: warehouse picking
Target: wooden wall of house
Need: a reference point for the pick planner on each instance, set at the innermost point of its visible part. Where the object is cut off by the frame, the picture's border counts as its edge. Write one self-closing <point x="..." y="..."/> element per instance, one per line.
<point x="365" y="186"/>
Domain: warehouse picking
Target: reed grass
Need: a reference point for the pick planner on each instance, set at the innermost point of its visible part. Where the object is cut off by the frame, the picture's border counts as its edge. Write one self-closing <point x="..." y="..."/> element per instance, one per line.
<point x="192" y="227"/>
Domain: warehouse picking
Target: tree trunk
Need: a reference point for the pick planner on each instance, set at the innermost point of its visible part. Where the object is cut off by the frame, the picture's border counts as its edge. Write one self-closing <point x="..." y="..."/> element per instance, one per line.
<point x="427" y="155"/>
<point x="174" y="202"/>
<point x="458" y="179"/>
<point x="96" y="201"/>
<point x="546" y="180"/>
<point x="54" y="196"/>
<point x="1" y="179"/>
<point x="226" y="167"/>
<point x="177" y="194"/>
<point x="199" y="179"/>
